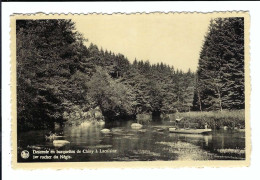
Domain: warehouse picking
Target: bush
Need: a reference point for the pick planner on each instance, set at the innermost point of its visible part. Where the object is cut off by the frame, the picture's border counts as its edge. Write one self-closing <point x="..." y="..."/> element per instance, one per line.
<point x="215" y="119"/>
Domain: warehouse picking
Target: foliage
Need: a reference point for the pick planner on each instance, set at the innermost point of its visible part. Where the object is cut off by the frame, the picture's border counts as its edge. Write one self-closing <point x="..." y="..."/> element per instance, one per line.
<point x="113" y="97"/>
<point x="215" y="119"/>
<point x="49" y="52"/>
<point x="220" y="76"/>
<point x="57" y="73"/>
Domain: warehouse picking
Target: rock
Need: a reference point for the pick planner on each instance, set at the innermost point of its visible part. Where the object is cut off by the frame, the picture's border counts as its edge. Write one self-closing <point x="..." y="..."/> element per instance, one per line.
<point x="98" y="115"/>
<point x="60" y="143"/>
<point x="136" y="126"/>
<point x="101" y="123"/>
<point x="225" y="127"/>
<point x="86" y="123"/>
<point x="105" y="131"/>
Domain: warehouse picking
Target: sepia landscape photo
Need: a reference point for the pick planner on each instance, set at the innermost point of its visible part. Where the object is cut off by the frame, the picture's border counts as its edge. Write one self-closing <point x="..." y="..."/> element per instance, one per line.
<point x="131" y="87"/>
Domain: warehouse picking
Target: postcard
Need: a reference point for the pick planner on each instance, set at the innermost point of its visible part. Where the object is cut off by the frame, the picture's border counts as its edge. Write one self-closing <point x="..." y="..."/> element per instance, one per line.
<point x="130" y="90"/>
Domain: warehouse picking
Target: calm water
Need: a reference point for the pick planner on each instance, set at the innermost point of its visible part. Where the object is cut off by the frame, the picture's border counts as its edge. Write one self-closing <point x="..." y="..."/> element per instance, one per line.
<point x="153" y="142"/>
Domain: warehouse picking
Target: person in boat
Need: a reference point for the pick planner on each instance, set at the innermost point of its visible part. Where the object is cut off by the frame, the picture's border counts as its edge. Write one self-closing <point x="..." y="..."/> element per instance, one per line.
<point x="50" y="136"/>
<point x="206" y="126"/>
<point x="177" y="120"/>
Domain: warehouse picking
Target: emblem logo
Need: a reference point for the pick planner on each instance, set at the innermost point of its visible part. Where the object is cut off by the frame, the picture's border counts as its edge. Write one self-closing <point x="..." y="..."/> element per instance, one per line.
<point x="25" y="154"/>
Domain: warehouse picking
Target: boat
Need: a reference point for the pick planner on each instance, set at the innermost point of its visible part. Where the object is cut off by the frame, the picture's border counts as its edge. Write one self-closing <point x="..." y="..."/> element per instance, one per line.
<point x="190" y="131"/>
<point x="52" y="136"/>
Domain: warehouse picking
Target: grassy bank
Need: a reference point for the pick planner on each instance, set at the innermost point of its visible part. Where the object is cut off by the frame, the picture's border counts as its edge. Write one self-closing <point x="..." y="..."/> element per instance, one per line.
<point x="215" y="120"/>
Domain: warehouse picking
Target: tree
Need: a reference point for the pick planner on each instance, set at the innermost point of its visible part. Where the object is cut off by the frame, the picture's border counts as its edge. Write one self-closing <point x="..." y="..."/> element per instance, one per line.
<point x="113" y="97"/>
<point x="49" y="52"/>
<point x="221" y="66"/>
<point x="57" y="73"/>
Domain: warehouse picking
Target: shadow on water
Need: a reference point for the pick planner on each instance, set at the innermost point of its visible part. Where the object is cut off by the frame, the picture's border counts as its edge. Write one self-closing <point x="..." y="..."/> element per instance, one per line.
<point x="152" y="142"/>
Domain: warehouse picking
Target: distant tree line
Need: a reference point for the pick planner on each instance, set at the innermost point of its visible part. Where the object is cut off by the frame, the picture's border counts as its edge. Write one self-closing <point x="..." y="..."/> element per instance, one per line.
<point x="56" y="71"/>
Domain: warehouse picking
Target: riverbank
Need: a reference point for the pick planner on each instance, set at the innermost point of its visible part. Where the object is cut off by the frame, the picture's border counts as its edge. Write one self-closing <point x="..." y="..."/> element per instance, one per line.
<point x="216" y="119"/>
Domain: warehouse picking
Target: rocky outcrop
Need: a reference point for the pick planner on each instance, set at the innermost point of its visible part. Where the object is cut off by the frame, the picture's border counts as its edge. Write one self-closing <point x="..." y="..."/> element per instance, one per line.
<point x="77" y="116"/>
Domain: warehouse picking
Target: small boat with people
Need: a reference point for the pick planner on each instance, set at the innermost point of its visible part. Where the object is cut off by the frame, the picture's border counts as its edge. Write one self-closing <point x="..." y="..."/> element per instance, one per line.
<point x="184" y="130"/>
<point x="52" y="136"/>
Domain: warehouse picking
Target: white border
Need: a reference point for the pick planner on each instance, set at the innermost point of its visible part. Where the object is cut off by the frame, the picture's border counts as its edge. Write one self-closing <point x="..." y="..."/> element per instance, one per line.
<point x="128" y="7"/>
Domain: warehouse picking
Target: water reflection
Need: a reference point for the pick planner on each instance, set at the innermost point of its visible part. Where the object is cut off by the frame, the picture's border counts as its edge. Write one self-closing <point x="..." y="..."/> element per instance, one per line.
<point x="153" y="142"/>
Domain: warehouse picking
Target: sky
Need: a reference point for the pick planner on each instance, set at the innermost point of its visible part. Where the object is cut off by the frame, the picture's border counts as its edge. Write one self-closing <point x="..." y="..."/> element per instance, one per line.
<point x="174" y="39"/>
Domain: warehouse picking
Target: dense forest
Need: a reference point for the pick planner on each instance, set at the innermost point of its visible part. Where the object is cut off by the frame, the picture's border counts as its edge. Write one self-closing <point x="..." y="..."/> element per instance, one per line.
<point x="57" y="74"/>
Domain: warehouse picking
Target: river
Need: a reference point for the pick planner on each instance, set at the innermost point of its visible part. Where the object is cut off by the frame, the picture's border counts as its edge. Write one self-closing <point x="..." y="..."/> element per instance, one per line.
<point x="152" y="142"/>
